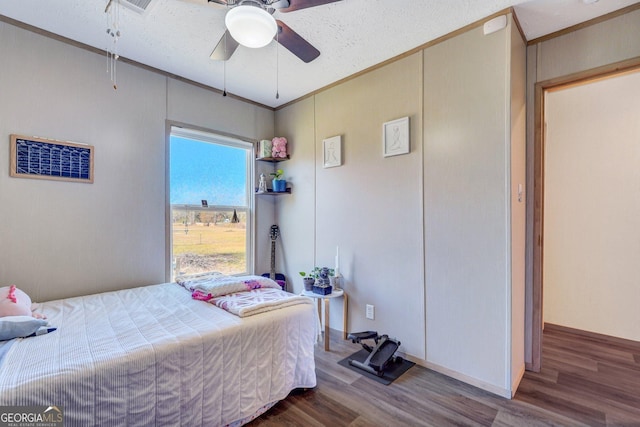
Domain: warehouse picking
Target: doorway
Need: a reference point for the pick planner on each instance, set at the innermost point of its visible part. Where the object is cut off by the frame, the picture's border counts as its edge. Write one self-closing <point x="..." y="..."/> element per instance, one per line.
<point x="542" y="92"/>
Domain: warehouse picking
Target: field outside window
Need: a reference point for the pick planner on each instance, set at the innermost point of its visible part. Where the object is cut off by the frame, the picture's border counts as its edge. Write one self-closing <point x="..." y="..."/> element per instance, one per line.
<point x="215" y="236"/>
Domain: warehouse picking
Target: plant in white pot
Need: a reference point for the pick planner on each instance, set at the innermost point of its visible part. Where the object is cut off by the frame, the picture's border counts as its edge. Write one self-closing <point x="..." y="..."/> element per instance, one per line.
<point x="279" y="183"/>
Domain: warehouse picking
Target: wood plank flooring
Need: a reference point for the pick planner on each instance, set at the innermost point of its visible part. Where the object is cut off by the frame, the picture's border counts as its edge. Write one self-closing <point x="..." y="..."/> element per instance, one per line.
<point x="584" y="381"/>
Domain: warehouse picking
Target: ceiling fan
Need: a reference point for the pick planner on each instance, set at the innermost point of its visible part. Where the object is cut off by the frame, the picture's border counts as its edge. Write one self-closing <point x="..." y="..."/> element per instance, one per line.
<point x="248" y="19"/>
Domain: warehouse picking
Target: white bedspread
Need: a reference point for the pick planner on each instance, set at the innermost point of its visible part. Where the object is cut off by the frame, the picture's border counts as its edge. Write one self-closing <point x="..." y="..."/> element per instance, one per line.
<point x="154" y="356"/>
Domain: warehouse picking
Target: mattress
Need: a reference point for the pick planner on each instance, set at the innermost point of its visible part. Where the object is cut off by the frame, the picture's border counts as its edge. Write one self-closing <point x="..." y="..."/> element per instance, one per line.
<point x="154" y="356"/>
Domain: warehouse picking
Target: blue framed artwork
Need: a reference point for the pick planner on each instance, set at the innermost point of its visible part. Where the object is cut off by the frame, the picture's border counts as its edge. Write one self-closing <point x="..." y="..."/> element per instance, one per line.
<point x="33" y="157"/>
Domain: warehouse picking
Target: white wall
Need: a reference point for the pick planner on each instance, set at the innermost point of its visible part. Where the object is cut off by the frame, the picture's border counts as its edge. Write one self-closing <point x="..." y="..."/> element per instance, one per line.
<point x="592" y="207"/>
<point x="370" y="206"/>
<point x="467" y="175"/>
<point x="61" y="239"/>
<point x="593" y="46"/>
<point x="425" y="237"/>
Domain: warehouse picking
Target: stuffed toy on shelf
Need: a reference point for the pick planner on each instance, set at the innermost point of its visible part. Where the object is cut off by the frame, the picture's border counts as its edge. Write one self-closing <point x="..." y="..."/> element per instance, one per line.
<point x="279" y="147"/>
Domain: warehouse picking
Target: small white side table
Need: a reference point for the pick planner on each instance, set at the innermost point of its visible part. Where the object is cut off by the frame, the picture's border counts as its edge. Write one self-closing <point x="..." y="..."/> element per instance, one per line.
<point x="325" y="299"/>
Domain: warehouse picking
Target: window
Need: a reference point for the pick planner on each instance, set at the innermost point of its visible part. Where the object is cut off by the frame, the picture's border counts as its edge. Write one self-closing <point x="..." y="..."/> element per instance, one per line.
<point x="210" y="204"/>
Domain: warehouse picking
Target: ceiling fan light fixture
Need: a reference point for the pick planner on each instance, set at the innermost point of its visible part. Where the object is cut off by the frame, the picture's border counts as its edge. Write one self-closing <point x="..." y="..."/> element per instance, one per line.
<point x="251" y="25"/>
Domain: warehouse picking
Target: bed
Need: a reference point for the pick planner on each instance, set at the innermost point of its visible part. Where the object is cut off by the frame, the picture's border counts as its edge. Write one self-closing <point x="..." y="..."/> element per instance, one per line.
<point x="155" y="356"/>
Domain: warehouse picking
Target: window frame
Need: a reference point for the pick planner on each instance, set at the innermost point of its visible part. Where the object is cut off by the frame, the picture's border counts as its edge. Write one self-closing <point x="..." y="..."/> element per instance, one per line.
<point x="210" y="136"/>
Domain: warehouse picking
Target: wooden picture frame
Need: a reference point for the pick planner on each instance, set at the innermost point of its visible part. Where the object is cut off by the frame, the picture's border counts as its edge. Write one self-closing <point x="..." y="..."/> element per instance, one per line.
<point x="332" y="152"/>
<point x="40" y="158"/>
<point x="395" y="137"/>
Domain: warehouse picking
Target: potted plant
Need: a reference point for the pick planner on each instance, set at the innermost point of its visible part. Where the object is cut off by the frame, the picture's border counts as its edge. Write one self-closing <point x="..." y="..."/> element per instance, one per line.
<point x="311" y="277"/>
<point x="323" y="280"/>
<point x="317" y="270"/>
<point x="309" y="280"/>
<point x="279" y="183"/>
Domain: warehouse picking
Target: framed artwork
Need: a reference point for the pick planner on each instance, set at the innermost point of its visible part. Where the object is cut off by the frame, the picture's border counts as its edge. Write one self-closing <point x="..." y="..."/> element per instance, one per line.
<point x="39" y="158"/>
<point x="395" y="137"/>
<point x="332" y="152"/>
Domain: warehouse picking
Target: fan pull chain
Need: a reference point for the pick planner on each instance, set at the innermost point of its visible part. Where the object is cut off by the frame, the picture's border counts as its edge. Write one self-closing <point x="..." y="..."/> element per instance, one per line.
<point x="106" y="38"/>
<point x="277" y="63"/>
<point x="112" y="11"/>
<point x="224" y="64"/>
<point x="224" y="74"/>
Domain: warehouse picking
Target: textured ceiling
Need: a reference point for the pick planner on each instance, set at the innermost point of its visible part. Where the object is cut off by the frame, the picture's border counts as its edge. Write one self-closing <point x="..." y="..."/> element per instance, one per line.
<point x="177" y="36"/>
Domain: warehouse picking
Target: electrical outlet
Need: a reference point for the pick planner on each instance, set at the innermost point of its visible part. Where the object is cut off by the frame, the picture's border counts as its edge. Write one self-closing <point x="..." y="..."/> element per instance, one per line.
<point x="370" y="311"/>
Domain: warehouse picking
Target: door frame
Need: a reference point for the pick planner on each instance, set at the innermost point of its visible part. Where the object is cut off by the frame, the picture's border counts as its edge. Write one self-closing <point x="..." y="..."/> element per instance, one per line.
<point x="540" y="89"/>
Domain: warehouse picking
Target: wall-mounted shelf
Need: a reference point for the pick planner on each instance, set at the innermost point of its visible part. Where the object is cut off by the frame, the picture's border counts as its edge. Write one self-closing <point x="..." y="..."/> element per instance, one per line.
<point x="273" y="159"/>
<point x="274" y="193"/>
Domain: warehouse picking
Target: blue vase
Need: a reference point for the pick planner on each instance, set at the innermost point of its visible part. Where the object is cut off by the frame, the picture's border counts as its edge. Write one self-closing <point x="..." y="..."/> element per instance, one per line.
<point x="279" y="185"/>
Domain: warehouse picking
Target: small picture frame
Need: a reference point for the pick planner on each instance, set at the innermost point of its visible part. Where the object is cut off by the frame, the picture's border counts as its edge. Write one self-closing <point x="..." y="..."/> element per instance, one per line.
<point x="332" y="152"/>
<point x="395" y="137"/>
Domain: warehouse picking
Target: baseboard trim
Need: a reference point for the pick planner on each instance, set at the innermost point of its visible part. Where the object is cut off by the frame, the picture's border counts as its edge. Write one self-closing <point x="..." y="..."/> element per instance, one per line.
<point x="502" y="392"/>
<point x="593" y="335"/>
<point x="491" y="388"/>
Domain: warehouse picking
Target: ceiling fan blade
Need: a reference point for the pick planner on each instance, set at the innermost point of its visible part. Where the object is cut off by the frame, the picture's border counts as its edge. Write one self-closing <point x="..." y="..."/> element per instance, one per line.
<point x="225" y="48"/>
<point x="295" y="43"/>
<point x="303" y="4"/>
<point x="205" y="2"/>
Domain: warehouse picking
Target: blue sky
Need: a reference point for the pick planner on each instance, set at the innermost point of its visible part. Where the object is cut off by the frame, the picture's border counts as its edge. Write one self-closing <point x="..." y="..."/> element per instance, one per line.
<point x="201" y="170"/>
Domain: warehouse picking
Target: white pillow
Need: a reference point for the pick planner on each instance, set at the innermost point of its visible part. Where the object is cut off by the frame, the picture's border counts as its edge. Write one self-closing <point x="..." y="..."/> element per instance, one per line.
<point x="19" y="326"/>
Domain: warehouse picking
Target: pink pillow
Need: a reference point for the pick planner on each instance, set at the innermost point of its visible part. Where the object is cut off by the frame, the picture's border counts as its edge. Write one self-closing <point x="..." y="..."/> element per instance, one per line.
<point x="14" y="302"/>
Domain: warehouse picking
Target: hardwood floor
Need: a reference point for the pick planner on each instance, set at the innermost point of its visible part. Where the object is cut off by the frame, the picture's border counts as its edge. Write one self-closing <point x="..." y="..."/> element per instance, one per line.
<point x="593" y="379"/>
<point x="584" y="381"/>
